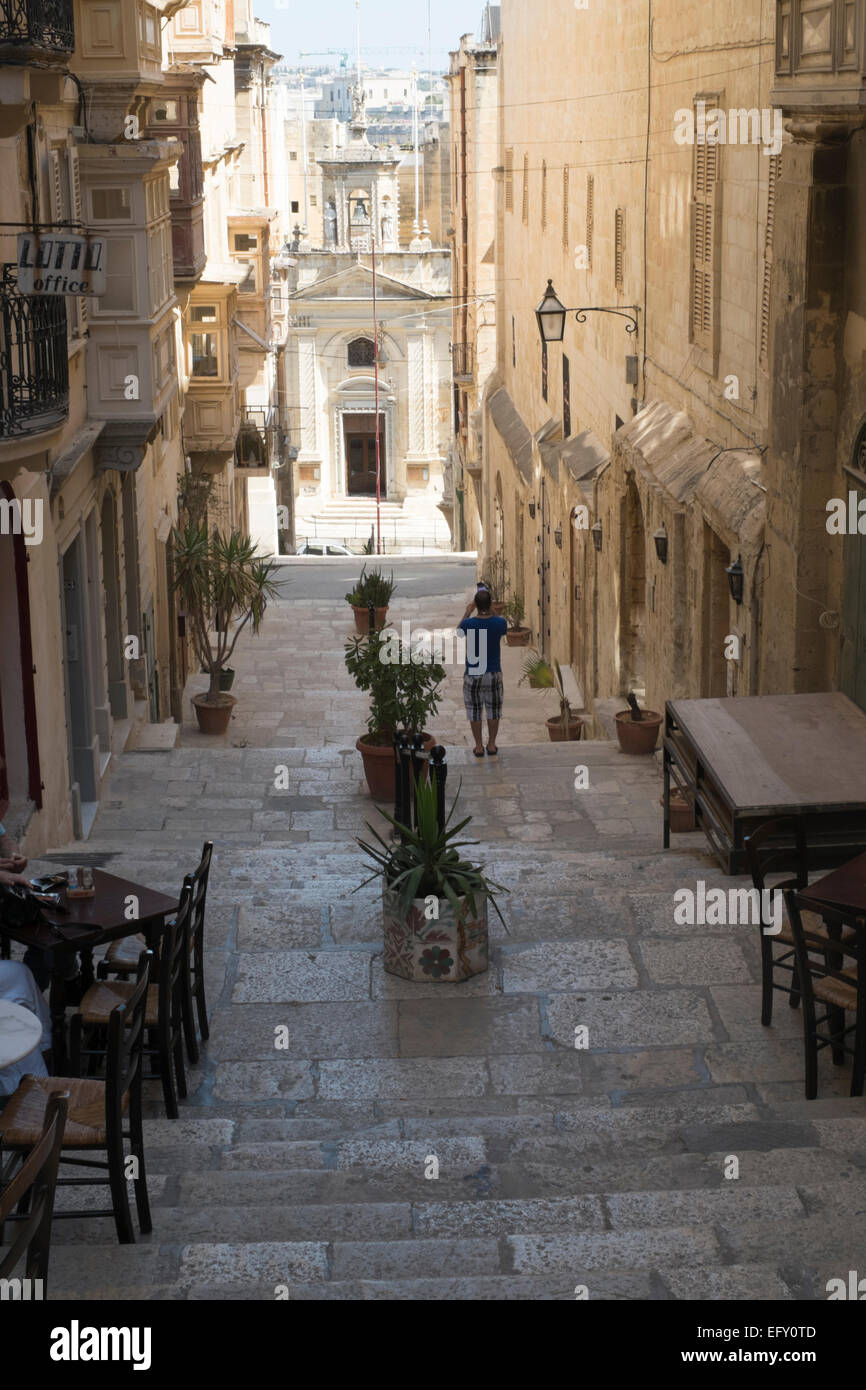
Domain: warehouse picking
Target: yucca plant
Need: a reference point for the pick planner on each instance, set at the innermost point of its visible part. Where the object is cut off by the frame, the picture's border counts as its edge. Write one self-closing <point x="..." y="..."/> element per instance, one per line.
<point x="223" y="584"/>
<point x="428" y="862"/>
<point x="372" y="588"/>
<point x="545" y="675"/>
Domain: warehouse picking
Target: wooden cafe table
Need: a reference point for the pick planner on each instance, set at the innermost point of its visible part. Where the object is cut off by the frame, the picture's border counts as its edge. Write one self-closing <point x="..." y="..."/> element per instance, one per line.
<point x="88" y="923"/>
<point x="843" y="890"/>
<point x="750" y="759"/>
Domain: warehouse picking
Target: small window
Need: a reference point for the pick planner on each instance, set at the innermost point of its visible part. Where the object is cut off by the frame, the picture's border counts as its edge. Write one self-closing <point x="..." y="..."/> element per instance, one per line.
<point x="248" y="284"/>
<point x="245" y="242"/>
<point x="296" y="207"/>
<point x="203" y="313"/>
<point x="361" y="353"/>
<point x="293" y="154"/>
<point x="314" y="202"/>
<point x="204" y="353"/>
<point x="110" y="204"/>
<point x="165" y="111"/>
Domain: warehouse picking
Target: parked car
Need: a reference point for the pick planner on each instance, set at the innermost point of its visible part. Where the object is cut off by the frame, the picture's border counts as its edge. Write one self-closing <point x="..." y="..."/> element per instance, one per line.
<point x="318" y="547"/>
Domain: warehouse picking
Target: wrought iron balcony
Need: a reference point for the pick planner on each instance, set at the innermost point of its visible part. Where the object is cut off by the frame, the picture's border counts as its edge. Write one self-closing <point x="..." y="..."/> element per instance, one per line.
<point x="463" y="359"/>
<point x="820" y="54"/>
<point x="34" y="362"/>
<point x="41" y="27"/>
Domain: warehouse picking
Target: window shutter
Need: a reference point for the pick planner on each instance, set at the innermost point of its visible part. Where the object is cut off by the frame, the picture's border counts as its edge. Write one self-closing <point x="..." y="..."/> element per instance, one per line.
<point x="79" y="316"/>
<point x="590" y="217"/>
<point x="509" y="180"/>
<point x="768" y="255"/>
<point x="619" y="247"/>
<point x="704" y="245"/>
<point x="526" y="188"/>
<point x="544" y="193"/>
<point x="56" y="181"/>
<point x="566" y="235"/>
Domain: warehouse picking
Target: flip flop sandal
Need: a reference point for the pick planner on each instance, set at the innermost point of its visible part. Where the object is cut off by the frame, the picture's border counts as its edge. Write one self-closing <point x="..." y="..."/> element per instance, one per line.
<point x="492" y="752"/>
<point x="478" y="755"/>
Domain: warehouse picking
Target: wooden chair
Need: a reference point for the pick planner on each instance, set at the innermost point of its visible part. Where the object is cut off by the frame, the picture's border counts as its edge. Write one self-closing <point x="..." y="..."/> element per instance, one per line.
<point x="778" y="848"/>
<point x="101" y="1115"/>
<point x="831" y="970"/>
<point x="121" y="957"/>
<point x="163" y="1015"/>
<point x="28" y="1199"/>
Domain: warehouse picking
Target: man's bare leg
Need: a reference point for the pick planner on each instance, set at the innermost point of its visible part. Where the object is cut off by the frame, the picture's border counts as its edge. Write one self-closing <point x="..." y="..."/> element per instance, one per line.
<point x="492" y="731"/>
<point x="476" y="727"/>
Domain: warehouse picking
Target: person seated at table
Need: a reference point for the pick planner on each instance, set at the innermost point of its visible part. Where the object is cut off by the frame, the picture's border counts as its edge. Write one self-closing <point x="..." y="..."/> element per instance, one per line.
<point x="18" y="986"/>
<point x="12" y="861"/>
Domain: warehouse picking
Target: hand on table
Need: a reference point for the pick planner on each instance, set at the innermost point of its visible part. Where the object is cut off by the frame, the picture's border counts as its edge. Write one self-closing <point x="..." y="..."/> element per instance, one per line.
<point x="13" y="863"/>
<point x="12" y="880"/>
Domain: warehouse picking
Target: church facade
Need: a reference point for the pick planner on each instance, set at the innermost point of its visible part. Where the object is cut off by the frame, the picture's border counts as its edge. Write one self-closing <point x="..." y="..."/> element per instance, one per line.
<point x="336" y="339"/>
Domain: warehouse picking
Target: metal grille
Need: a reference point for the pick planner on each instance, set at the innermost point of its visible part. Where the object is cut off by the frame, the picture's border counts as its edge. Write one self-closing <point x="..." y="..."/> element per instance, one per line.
<point x="48" y="24"/>
<point x="34" y="368"/>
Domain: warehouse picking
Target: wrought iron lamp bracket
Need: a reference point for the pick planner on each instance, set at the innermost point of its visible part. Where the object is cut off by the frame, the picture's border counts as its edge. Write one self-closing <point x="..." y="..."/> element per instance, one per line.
<point x="627" y="311"/>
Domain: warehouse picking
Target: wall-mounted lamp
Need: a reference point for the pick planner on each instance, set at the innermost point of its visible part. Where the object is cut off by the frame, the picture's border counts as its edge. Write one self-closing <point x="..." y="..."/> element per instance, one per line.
<point x="736" y="576"/>
<point x="597" y="532"/>
<point x="532" y="510"/>
<point x="661" y="543"/>
<point x="557" y="536"/>
<point x="551" y="315"/>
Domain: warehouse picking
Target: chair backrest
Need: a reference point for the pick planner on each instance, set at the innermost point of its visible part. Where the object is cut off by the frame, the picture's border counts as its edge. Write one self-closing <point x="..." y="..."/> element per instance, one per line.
<point x="38" y="1176"/>
<point x="833" y="959"/>
<point x="778" y="846"/>
<point x="126" y="1026"/>
<point x="174" y="955"/>
<point x="199" y="895"/>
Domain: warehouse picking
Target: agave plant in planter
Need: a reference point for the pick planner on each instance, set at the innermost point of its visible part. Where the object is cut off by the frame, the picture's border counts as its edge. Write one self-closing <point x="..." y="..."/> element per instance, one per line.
<point x="223" y="585"/>
<point x="517" y="635"/>
<point x="371" y="590"/>
<point x="404" y="694"/>
<point x="545" y="675"/>
<point x="434" y="901"/>
<point x="638" y="729"/>
<point x="495" y="578"/>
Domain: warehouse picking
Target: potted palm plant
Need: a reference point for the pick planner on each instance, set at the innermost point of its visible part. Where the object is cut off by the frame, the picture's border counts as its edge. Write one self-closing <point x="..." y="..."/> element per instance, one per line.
<point x="404" y="694"/>
<point x="495" y="579"/>
<point x="223" y="585"/>
<point x="544" y="675"/>
<point x="434" y="901"/>
<point x="517" y="635"/>
<point x="371" y="590"/>
<point x="638" y="729"/>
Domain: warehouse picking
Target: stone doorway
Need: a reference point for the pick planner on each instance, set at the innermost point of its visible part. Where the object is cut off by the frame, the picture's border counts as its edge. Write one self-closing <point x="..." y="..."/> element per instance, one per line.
<point x="633" y="593"/>
<point x="360" y="444"/>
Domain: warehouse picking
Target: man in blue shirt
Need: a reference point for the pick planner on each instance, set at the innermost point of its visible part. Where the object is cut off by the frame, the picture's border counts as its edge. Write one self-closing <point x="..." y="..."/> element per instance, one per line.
<point x="482" y="683"/>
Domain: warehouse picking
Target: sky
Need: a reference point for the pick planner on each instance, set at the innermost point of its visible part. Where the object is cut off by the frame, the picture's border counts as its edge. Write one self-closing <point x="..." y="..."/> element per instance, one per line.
<point x="298" y="25"/>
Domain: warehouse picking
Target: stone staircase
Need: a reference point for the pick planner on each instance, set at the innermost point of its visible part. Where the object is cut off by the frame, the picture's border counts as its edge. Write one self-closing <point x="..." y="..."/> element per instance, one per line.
<point x="418" y="1143"/>
<point x="407" y="526"/>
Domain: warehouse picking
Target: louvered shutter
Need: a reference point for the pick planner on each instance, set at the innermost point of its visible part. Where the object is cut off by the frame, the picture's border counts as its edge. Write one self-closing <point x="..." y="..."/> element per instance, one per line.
<point x="704" y="243"/>
<point x="509" y="180"/>
<point x="768" y="255"/>
<point x="619" y="248"/>
<point x="526" y="188"/>
<point x="79" y="314"/>
<point x="566" y="235"/>
<point x="590" y="217"/>
<point x="544" y="193"/>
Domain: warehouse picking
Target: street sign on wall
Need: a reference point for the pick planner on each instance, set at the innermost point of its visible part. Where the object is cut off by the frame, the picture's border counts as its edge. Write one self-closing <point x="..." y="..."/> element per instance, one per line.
<point x="57" y="263"/>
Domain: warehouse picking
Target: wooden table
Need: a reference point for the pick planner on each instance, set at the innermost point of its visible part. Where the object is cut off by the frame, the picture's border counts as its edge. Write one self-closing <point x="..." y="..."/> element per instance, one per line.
<point x="843" y="890"/>
<point x="745" y="761"/>
<point x="20" y="1032"/>
<point x="90" y="922"/>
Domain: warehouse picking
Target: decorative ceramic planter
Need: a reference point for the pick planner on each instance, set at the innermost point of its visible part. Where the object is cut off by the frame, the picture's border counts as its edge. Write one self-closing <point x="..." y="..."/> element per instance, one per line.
<point x="362" y="619"/>
<point x="379" y="767"/>
<point x="518" y="637"/>
<point x="213" y="719"/>
<point x="557" y="734"/>
<point x="638" y="735"/>
<point x="438" y="950"/>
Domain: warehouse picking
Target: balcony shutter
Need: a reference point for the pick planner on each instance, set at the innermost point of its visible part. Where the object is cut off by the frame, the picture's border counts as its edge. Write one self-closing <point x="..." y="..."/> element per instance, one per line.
<point x="590" y="217"/>
<point x="619" y="247"/>
<point x="704" y="245"/>
<point x="768" y="255"/>
<point x="79" y="312"/>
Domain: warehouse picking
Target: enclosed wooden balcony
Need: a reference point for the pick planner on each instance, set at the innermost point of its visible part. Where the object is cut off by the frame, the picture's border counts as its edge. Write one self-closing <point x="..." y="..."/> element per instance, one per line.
<point x="175" y="113"/>
<point x="34" y="367"/>
<point x="43" y="30"/>
<point x="820" y="55"/>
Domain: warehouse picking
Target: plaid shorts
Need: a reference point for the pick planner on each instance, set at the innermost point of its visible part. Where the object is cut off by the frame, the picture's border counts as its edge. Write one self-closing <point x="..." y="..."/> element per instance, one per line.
<point x="482" y="693"/>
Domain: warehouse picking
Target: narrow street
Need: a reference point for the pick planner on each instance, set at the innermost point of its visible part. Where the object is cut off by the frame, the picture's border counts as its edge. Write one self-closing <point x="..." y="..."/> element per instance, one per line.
<point x="305" y="1172"/>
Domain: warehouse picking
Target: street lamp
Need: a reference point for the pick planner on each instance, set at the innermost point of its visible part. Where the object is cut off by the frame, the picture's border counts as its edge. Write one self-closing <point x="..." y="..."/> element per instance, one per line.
<point x="597" y="533"/>
<point x="660" y="537"/>
<point x="551" y="314"/>
<point x="736" y="576"/>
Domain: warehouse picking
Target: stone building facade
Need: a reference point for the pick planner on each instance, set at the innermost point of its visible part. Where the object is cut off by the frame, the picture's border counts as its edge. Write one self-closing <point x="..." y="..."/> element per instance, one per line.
<point x="628" y="476"/>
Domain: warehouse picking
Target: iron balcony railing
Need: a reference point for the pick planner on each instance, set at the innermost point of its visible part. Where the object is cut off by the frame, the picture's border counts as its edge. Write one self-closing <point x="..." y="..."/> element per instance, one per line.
<point x="463" y="358"/>
<point x="34" y="363"/>
<point x="48" y="25"/>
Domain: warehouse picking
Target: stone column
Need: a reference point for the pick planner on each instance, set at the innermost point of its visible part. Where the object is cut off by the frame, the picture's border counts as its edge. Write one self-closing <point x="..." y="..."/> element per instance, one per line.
<point x="807" y="317"/>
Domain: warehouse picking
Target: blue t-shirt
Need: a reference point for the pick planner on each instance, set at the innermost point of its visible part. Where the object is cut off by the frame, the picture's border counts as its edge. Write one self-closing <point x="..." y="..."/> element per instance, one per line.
<point x="483" y="639"/>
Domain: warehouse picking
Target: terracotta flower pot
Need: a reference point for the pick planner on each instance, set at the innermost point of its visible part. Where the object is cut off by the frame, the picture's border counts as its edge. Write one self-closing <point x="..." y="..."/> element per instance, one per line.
<point x="497" y="609"/>
<point x="227" y="678"/>
<point x="638" y="735"/>
<point x="362" y="619"/>
<point x="434" y="950"/>
<point x="557" y="734"/>
<point x="682" y="813"/>
<point x="379" y="767"/>
<point x="213" y="719"/>
<point x="518" y="637"/>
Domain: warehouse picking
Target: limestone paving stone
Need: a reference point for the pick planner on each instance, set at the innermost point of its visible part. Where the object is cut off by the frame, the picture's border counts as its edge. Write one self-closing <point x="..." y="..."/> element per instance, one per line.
<point x="271" y="977"/>
<point x="663" y="1018"/>
<point x="632" y="1250"/>
<point x="692" y="962"/>
<point x="568" y="967"/>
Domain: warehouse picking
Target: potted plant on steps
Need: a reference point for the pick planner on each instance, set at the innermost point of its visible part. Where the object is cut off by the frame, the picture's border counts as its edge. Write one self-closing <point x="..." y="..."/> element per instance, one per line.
<point x="495" y="578"/>
<point x="544" y="675"/>
<point x="434" y="901"/>
<point x="371" y="590"/>
<point x="517" y="635"/>
<point x="221" y="582"/>
<point x="404" y="694"/>
<point x="637" y="729"/>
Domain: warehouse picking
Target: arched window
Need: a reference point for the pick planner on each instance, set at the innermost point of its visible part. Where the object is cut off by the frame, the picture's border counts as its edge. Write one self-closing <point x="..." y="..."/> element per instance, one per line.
<point x="361" y="352"/>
